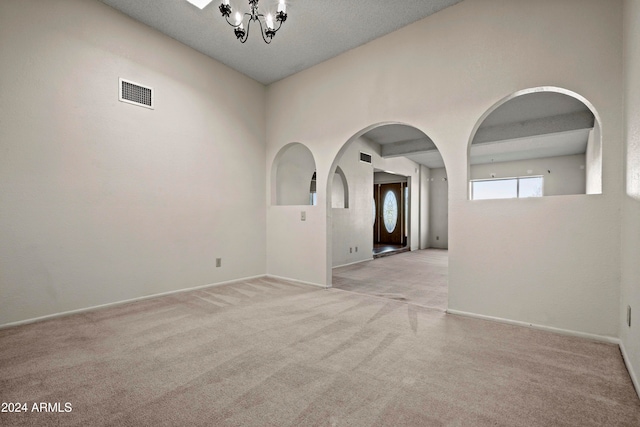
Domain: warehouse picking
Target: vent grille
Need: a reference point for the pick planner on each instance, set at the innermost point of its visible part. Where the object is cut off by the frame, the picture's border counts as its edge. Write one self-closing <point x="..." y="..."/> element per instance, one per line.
<point x="364" y="157"/>
<point x="134" y="93"/>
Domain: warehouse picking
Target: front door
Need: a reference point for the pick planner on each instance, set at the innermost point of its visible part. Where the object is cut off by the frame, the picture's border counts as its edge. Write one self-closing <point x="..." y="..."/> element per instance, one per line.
<point x="389" y="222"/>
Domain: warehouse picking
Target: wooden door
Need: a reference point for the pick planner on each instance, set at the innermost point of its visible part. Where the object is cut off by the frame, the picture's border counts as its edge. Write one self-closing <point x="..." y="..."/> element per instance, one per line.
<point x="389" y="222"/>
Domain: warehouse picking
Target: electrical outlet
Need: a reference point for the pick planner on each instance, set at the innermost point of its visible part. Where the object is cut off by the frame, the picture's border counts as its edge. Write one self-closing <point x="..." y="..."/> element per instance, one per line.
<point x="218" y="262"/>
<point x="350" y="250"/>
<point x="437" y="237"/>
<point x="629" y="316"/>
<point x="356" y="249"/>
<point x="303" y="216"/>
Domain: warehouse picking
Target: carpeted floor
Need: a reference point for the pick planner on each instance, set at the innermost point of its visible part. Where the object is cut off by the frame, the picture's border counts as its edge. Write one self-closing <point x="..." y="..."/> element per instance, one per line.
<point x="271" y="353"/>
<point x="418" y="277"/>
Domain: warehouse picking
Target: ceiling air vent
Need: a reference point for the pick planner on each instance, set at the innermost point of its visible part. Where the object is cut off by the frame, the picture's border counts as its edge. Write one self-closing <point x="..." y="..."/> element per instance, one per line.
<point x="364" y="157"/>
<point x="136" y="94"/>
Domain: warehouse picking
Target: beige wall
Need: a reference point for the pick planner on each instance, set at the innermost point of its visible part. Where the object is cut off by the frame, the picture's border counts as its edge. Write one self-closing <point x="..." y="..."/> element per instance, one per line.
<point x="630" y="275"/>
<point x="102" y="201"/>
<point x="440" y="75"/>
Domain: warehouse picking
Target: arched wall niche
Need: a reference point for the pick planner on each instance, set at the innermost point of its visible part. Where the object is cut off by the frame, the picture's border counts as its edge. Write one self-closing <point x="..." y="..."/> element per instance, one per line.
<point x="348" y="165"/>
<point x="340" y="192"/>
<point x="292" y="172"/>
<point x="547" y="133"/>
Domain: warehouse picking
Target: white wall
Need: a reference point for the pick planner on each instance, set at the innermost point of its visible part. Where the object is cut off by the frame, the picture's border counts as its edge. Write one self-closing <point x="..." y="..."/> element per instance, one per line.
<point x="441" y="75"/>
<point x="439" y="209"/>
<point x="353" y="227"/>
<point x="593" y="159"/>
<point x="630" y="275"/>
<point x="102" y="201"/>
<point x="562" y="175"/>
<point x="425" y="194"/>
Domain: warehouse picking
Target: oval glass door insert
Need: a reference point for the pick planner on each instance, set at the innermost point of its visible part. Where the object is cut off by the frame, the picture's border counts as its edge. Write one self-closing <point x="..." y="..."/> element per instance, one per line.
<point x="390" y="211"/>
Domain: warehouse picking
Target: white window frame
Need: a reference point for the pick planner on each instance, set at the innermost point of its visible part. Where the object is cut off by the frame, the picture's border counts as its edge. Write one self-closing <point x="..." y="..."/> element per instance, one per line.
<point x="516" y="178"/>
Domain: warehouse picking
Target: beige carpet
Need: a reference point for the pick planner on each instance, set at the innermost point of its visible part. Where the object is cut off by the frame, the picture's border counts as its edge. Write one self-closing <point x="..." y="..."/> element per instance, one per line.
<point x="418" y="277"/>
<point x="272" y="353"/>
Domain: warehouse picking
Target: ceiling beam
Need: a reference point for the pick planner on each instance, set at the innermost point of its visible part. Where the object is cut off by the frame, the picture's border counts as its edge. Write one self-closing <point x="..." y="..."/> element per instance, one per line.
<point x="402" y="148"/>
<point x="543" y="126"/>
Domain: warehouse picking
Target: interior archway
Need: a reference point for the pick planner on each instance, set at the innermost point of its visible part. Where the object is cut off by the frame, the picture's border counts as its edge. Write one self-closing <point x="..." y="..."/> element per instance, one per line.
<point x="387" y="154"/>
<point x="537" y="142"/>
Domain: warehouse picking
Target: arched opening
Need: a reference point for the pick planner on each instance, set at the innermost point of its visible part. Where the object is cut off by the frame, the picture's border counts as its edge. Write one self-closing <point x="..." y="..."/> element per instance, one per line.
<point x="537" y="142"/>
<point x="402" y="166"/>
<point x="293" y="176"/>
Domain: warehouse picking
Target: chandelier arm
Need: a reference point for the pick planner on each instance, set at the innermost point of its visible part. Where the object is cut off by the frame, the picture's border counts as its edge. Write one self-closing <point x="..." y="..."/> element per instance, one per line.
<point x="275" y="30"/>
<point x="279" y="25"/>
<point x="238" y="25"/>
<point x="262" y="33"/>
<point x="233" y="25"/>
<point x="243" y="34"/>
<point x="246" y="34"/>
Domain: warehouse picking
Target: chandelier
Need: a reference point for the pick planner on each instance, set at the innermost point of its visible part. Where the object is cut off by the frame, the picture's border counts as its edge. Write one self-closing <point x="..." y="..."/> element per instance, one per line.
<point x="267" y="27"/>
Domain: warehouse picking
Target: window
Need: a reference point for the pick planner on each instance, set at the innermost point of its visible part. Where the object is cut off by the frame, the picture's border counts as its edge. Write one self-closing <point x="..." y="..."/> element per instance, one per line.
<point x="507" y="188"/>
<point x="390" y="211"/>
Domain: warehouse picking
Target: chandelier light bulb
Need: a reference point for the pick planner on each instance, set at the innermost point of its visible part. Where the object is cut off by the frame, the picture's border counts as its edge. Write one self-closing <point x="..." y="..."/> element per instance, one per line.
<point x="269" y="24"/>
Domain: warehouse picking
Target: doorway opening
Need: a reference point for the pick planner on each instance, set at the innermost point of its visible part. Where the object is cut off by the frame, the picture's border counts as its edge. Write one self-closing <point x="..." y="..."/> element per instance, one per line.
<point x="391" y="214"/>
<point x="397" y="205"/>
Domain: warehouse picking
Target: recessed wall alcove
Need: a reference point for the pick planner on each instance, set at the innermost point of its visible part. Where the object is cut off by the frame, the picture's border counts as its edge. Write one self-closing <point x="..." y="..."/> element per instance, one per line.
<point x="340" y="190"/>
<point x="292" y="175"/>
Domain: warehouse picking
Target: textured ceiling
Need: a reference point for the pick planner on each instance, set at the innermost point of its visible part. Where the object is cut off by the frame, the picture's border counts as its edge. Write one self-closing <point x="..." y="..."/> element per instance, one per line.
<point x="315" y="30"/>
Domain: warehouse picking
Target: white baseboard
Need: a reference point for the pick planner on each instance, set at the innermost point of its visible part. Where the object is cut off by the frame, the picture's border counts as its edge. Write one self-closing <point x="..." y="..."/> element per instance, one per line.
<point x="302" y="282"/>
<point x="595" y="337"/>
<point x="632" y="373"/>
<point x="353" y="263"/>
<point x="113" y="304"/>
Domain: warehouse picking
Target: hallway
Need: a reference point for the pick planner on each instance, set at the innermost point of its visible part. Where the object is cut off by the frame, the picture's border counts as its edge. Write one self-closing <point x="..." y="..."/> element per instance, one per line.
<point x="417" y="277"/>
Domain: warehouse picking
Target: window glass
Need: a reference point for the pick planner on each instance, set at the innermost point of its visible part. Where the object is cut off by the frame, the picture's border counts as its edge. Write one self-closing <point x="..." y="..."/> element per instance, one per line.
<point x="510" y="188"/>
<point x="390" y="211"/>
<point x="531" y="187"/>
<point x="495" y="189"/>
